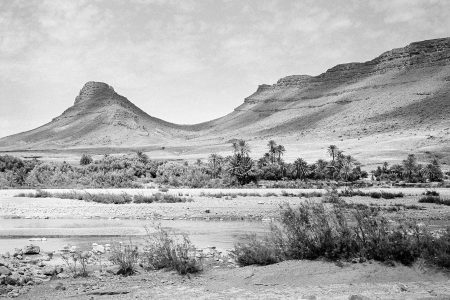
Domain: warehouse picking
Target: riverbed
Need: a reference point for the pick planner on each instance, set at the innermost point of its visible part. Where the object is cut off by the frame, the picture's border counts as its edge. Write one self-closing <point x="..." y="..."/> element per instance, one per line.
<point x="54" y="234"/>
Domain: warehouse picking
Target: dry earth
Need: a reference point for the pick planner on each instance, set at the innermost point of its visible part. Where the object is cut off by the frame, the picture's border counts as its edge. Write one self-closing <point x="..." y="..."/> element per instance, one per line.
<point x="287" y="280"/>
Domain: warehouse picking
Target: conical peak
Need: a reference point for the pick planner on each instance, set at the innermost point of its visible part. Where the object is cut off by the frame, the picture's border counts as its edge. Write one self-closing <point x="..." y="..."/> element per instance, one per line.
<point x="92" y="90"/>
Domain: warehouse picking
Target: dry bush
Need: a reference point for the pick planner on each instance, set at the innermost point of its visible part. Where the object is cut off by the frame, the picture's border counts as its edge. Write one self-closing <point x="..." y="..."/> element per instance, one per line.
<point x="126" y="256"/>
<point x="165" y="250"/>
<point x="313" y="231"/>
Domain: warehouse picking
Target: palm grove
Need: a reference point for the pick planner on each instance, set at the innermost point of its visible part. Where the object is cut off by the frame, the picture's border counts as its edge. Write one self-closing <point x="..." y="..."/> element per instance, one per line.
<point x="239" y="168"/>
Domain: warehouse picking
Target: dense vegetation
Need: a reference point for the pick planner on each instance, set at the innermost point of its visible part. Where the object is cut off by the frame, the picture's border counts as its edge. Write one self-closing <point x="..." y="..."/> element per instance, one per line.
<point x="237" y="169"/>
<point x="339" y="231"/>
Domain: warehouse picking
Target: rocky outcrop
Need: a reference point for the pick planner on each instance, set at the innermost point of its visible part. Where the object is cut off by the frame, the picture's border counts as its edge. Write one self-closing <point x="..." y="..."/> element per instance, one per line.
<point x="94" y="90"/>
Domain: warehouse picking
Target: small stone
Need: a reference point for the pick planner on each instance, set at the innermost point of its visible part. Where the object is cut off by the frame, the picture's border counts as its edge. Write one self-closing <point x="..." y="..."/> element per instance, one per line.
<point x="62" y="276"/>
<point x="60" y="286"/>
<point x="401" y="287"/>
<point x="13" y="294"/>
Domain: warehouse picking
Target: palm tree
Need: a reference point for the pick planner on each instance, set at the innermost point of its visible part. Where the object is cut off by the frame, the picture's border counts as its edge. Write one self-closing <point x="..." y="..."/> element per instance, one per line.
<point x="272" y="149"/>
<point x="241" y="147"/>
<point x="244" y="148"/>
<point x="301" y="168"/>
<point x="332" y="150"/>
<point x="215" y="162"/>
<point x="347" y="166"/>
<point x="321" y="168"/>
<point x="280" y="151"/>
<point x="410" y="165"/>
<point x="235" y="145"/>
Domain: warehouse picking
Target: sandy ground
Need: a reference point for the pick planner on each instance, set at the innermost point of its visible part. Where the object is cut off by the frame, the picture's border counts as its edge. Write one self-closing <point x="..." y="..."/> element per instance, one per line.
<point x="286" y="280"/>
<point x="249" y="207"/>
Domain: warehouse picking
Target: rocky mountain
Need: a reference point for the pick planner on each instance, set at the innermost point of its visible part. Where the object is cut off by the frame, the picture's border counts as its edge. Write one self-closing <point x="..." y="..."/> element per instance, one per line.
<point x="398" y="103"/>
<point x="99" y="117"/>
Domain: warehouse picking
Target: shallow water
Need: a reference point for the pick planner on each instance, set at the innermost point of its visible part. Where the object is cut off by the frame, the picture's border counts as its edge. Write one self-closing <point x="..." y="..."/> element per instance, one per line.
<point x="16" y="233"/>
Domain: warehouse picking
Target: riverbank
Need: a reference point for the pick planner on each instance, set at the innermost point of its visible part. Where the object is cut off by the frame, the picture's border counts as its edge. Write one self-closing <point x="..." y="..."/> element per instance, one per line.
<point x="287" y="280"/>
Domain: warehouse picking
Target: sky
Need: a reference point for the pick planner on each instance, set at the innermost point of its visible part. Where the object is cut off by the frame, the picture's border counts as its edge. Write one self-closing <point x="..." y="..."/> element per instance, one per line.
<point x="188" y="61"/>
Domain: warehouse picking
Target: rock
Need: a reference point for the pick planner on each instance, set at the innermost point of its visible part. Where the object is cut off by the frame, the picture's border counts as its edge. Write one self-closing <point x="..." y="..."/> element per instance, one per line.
<point x="13" y="279"/>
<point x="309" y="297"/>
<point x="3" y="262"/>
<point x="113" y="269"/>
<point x="358" y="297"/>
<point x="62" y="276"/>
<point x="99" y="249"/>
<point x="60" y="286"/>
<point x="13" y="294"/>
<point x="49" y="271"/>
<point x="17" y="252"/>
<point x="400" y="287"/>
<point x="31" y="249"/>
<point x="5" y="271"/>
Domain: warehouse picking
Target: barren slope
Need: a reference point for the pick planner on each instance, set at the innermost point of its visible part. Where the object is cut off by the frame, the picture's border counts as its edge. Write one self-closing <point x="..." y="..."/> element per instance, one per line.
<point x="396" y="103"/>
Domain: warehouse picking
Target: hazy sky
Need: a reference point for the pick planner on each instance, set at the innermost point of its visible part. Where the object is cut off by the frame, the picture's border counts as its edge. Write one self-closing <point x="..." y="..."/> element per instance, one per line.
<point x="188" y="61"/>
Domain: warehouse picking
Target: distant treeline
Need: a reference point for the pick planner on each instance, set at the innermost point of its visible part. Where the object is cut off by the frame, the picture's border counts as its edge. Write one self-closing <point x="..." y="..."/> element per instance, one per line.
<point x="236" y="169"/>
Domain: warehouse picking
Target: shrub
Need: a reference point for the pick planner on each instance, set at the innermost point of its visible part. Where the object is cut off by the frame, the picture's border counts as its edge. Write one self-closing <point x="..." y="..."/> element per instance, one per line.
<point x="435" y="200"/>
<point x="86" y="160"/>
<point x="72" y="259"/>
<point x="165" y="250"/>
<point x="126" y="256"/>
<point x="100" y="198"/>
<point x="311" y="231"/>
<point x="160" y="197"/>
<point x="437" y="250"/>
<point x="270" y="194"/>
<point x="257" y="252"/>
<point x="431" y="193"/>
<point x="311" y="194"/>
<point x="388" y="195"/>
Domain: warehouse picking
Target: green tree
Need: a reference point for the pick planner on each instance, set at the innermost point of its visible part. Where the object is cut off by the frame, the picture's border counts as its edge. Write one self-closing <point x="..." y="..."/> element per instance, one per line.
<point x="332" y="151"/>
<point x="279" y="150"/>
<point x="241" y="147"/>
<point x="272" y="150"/>
<point x="215" y="164"/>
<point x="301" y="168"/>
<point x="433" y="171"/>
<point x="86" y="160"/>
<point x="142" y="156"/>
<point x="409" y="166"/>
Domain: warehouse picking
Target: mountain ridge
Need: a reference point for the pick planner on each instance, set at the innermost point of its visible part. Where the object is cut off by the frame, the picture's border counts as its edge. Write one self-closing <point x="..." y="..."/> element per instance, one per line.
<point x="398" y="92"/>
